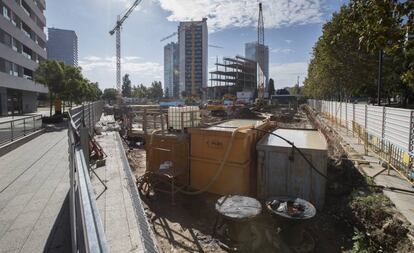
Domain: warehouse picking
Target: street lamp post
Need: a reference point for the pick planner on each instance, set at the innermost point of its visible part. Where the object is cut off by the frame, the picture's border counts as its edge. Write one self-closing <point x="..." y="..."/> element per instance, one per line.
<point x="381" y="52"/>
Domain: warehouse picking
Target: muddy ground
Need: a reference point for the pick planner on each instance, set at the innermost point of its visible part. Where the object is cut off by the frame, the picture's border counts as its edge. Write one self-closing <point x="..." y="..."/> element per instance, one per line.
<point x="354" y="219"/>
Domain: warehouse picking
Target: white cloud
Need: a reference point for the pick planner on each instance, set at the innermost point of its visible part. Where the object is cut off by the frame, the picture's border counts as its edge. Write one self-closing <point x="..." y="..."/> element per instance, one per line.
<point x="288" y="41"/>
<point x="223" y="14"/>
<point x="282" y="50"/>
<point x="286" y="74"/>
<point x="102" y="69"/>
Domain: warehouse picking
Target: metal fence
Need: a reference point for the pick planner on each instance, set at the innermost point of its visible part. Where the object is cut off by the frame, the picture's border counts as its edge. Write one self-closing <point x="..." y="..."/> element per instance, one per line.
<point x="86" y="225"/>
<point x="387" y="131"/>
<point x="14" y="129"/>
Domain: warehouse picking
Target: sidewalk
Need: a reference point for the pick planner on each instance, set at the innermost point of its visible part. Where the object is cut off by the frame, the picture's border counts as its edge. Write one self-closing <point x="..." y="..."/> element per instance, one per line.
<point x="404" y="202"/>
<point x="34" y="187"/>
<point x="116" y="205"/>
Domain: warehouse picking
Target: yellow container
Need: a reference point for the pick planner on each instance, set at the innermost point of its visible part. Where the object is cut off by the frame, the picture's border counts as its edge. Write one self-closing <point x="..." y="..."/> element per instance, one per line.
<point x="211" y="143"/>
<point x="157" y="153"/>
<point x="234" y="178"/>
<point x="208" y="148"/>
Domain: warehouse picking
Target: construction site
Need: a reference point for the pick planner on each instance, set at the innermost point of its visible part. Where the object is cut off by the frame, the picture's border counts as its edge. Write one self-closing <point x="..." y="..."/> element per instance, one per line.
<point x="262" y="180"/>
<point x="218" y="165"/>
<point x="235" y="169"/>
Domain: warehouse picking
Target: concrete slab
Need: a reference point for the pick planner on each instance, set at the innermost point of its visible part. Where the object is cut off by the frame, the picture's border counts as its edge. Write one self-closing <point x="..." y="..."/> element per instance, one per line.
<point x="34" y="183"/>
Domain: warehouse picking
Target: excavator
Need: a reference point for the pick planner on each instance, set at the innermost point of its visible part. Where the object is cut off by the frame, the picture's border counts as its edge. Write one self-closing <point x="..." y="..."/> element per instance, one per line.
<point x="219" y="108"/>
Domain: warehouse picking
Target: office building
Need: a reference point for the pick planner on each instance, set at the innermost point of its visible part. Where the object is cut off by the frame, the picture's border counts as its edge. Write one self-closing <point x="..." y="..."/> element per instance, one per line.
<point x="193" y="41"/>
<point x="62" y="45"/>
<point x="171" y="73"/>
<point x="22" y="47"/>
<point x="251" y="52"/>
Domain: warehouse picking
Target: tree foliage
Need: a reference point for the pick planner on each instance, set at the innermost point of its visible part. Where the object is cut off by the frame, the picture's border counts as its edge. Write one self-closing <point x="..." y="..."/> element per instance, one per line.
<point x="271" y="87"/>
<point x="345" y="58"/>
<point x="109" y="94"/>
<point x="66" y="82"/>
<point x="126" y="86"/>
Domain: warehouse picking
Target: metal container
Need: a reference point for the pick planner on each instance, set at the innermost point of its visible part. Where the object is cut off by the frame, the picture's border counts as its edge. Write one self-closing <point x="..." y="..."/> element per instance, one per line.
<point x="208" y="147"/>
<point x="282" y="171"/>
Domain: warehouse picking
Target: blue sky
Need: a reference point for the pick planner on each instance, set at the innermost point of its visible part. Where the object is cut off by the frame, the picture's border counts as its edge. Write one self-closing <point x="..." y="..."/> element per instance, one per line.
<point x="292" y="28"/>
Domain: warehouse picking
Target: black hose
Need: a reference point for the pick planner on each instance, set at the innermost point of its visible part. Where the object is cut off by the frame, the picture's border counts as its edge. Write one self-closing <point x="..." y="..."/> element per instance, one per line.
<point x="296" y="148"/>
<point x="382" y="187"/>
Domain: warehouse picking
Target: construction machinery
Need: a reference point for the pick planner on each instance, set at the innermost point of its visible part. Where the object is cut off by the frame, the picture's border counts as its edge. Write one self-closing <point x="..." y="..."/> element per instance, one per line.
<point x="117" y="31"/>
<point x="220" y="107"/>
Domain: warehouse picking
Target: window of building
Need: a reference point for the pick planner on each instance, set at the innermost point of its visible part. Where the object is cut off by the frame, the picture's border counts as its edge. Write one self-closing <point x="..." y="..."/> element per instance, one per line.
<point x="8" y="68"/>
<point x="28" y="74"/>
<point x="7" y="39"/>
<point x="17" y="46"/>
<point x="26" y="8"/>
<point x="16" y="21"/>
<point x="6" y="12"/>
<point x="27" y="52"/>
<point x="26" y="30"/>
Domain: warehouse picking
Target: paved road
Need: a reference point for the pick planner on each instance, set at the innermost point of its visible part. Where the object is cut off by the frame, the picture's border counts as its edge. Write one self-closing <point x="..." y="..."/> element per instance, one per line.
<point x="34" y="187"/>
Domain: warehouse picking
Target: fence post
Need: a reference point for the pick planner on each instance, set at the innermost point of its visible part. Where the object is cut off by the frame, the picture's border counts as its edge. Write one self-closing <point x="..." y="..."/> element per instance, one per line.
<point x="11" y="128"/>
<point x="383" y="127"/>
<point x="89" y="114"/>
<point x="24" y="127"/>
<point x="346" y="117"/>
<point x="410" y="143"/>
<point x="34" y="123"/>
<point x="84" y="141"/>
<point x="366" y="116"/>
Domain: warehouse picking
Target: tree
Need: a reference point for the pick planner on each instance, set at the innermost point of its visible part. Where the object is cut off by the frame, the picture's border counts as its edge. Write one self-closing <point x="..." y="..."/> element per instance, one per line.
<point x="109" y="94"/>
<point x="271" y="87"/>
<point x="339" y="67"/>
<point x="155" y="91"/>
<point x="126" y="86"/>
<point x="139" y="91"/>
<point x="283" y="91"/>
<point x="51" y="74"/>
<point x="73" y="84"/>
<point x="167" y="93"/>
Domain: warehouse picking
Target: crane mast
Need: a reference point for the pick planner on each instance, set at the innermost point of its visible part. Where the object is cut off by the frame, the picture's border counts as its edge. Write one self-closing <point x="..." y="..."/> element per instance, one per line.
<point x="117" y="31"/>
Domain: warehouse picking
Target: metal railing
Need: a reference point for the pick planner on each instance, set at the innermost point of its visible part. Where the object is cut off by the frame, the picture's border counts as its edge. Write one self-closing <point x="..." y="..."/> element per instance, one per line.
<point x="388" y="131"/>
<point x="11" y="130"/>
<point x="86" y="226"/>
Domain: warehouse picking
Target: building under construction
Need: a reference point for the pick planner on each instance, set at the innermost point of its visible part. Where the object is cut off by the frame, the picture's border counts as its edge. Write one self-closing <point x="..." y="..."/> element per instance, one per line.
<point x="232" y="75"/>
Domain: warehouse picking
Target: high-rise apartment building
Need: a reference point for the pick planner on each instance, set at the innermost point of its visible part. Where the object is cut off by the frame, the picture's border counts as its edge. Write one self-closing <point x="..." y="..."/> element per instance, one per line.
<point x="62" y="45"/>
<point x="22" y="47"/>
<point x="193" y="57"/>
<point x="251" y="50"/>
<point x="171" y="72"/>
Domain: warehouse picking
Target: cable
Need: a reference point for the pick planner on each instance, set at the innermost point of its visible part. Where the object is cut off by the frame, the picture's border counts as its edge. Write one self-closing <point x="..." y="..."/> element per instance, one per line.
<point x="296" y="148"/>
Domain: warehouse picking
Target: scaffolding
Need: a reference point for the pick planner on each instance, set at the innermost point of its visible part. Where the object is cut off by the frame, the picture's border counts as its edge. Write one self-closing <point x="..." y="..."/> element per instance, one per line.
<point x="232" y="75"/>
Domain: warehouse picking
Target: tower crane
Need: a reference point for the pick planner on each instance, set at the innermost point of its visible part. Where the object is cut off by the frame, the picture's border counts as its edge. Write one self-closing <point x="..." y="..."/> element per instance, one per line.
<point x="117" y="31"/>
<point x="260" y="52"/>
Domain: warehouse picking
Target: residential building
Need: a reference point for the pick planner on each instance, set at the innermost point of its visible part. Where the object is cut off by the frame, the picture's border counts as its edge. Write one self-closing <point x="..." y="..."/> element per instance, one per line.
<point x="193" y="39"/>
<point x="62" y="45"/>
<point x="22" y="47"/>
<point x="251" y="50"/>
<point x="171" y="73"/>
